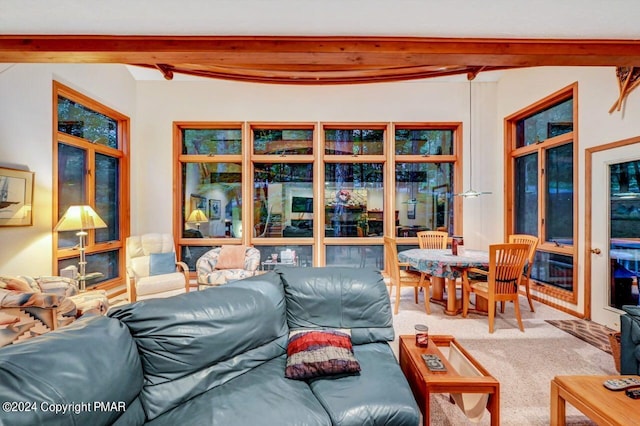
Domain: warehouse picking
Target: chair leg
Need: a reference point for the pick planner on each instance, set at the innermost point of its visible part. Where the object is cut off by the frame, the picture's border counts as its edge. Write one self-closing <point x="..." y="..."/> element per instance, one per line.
<point x="415" y="294"/>
<point x="422" y="286"/>
<point x="492" y="314"/>
<point x="516" y="305"/>
<point x="526" y="287"/>
<point x="502" y="306"/>
<point x="466" y="295"/>
<point x="397" y="305"/>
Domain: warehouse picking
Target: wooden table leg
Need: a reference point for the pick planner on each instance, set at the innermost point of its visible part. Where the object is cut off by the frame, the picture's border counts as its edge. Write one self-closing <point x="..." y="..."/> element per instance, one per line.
<point x="452" y="302"/>
<point x="558" y="407"/>
<point x="437" y="286"/>
<point x="493" y="406"/>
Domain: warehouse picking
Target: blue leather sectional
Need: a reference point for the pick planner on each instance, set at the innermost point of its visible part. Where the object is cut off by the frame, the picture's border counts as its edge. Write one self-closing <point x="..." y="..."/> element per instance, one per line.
<point x="214" y="357"/>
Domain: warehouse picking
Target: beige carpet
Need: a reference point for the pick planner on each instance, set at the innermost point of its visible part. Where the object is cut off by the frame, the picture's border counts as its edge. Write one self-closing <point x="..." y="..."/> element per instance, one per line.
<point x="523" y="363"/>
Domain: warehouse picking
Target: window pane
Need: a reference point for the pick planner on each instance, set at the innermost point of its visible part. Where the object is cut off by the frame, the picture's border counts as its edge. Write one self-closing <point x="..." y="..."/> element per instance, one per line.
<point x="283" y="141"/>
<point x="212" y="200"/>
<point x="191" y="254"/>
<point x="553" y="121"/>
<point x="283" y="200"/>
<point x="424" y="142"/>
<point x="354" y="142"/>
<point x="302" y="255"/>
<point x="351" y="192"/>
<point x="625" y="232"/>
<point x="423" y="198"/>
<point x="104" y="262"/>
<point x="72" y="164"/>
<point x="526" y="194"/>
<point x="80" y="121"/>
<point x="559" y="196"/>
<point x="211" y="141"/>
<point x="107" y="197"/>
<point x="356" y="256"/>
<point x="553" y="269"/>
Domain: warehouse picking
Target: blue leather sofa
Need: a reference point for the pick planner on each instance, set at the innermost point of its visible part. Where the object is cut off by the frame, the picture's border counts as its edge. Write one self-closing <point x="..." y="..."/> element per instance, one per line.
<point x="630" y="340"/>
<point x="214" y="357"/>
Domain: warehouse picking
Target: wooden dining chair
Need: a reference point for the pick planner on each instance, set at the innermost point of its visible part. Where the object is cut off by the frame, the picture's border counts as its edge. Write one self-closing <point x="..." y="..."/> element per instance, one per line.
<point x="532" y="242"/>
<point x="401" y="276"/>
<point x="506" y="266"/>
<point x="431" y="240"/>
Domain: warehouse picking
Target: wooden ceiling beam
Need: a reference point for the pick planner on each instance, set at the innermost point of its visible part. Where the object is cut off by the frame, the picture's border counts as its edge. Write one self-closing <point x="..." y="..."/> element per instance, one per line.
<point x="243" y="51"/>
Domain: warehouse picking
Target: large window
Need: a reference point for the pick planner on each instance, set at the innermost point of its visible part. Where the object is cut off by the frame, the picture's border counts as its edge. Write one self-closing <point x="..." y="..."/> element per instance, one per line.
<point x="90" y="169"/>
<point x="328" y="192"/>
<point x="540" y="169"/>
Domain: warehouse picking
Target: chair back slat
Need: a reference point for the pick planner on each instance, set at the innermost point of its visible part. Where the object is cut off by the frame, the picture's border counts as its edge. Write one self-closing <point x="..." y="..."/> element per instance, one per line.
<point x="506" y="263"/>
<point x="391" y="259"/>
<point x="432" y="239"/>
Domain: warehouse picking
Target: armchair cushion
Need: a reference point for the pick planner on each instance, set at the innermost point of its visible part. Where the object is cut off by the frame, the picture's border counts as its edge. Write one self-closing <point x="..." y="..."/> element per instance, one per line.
<point x="162" y="263"/>
<point x="231" y="257"/>
<point x="160" y="284"/>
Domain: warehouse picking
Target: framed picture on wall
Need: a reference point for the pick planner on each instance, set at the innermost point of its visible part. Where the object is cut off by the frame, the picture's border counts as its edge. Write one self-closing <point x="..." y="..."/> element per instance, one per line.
<point x="411" y="211"/>
<point x="214" y="209"/>
<point x="16" y="197"/>
<point x="440" y="206"/>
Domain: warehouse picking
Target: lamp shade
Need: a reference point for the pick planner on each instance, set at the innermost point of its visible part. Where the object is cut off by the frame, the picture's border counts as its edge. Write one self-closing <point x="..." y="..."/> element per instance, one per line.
<point x="79" y="218"/>
<point x="197" y="216"/>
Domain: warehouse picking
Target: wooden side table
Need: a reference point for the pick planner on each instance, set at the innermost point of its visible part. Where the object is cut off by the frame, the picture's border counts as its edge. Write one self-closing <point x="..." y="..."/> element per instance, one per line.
<point x="587" y="394"/>
<point x="474" y="380"/>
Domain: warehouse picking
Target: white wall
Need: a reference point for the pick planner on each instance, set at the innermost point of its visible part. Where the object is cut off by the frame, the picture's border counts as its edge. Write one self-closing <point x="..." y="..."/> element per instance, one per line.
<point x="25" y="143"/>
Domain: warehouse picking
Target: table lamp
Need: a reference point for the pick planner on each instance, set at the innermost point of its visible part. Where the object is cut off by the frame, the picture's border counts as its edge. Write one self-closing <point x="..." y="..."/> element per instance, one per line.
<point x="80" y="218"/>
<point x="197" y="216"/>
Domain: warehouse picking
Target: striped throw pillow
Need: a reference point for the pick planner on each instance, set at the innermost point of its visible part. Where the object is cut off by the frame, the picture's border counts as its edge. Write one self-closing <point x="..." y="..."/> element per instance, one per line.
<point x="318" y="353"/>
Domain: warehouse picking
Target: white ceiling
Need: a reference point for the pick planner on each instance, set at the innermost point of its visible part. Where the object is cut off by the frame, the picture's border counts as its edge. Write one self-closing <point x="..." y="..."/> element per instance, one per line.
<point x="591" y="19"/>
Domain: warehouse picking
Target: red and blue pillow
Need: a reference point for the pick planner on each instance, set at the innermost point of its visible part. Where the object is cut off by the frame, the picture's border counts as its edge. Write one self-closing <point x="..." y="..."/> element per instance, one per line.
<point x="320" y="352"/>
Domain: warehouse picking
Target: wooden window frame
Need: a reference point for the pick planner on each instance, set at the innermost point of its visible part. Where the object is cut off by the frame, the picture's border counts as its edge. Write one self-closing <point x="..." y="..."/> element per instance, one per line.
<point x="511" y="153"/>
<point x="122" y="154"/>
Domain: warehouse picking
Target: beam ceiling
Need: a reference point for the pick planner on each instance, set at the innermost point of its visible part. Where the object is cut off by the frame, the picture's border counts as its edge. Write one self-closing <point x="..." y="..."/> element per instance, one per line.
<point x="317" y="60"/>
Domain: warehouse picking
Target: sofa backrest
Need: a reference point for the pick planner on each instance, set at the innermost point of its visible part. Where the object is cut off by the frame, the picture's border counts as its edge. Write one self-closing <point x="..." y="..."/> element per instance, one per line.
<point x="196" y="341"/>
<point x="94" y="360"/>
<point x="339" y="297"/>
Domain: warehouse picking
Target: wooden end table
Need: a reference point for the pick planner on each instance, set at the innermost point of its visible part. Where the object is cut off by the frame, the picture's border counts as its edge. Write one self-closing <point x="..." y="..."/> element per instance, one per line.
<point x="424" y="382"/>
<point x="587" y="394"/>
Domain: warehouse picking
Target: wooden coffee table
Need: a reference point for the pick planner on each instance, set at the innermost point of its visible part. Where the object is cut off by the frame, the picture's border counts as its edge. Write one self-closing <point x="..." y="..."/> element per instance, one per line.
<point x="424" y="382"/>
<point x="587" y="394"/>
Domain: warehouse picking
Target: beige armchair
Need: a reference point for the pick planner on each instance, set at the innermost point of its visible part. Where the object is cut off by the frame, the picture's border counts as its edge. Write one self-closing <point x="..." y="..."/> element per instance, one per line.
<point x="152" y="269"/>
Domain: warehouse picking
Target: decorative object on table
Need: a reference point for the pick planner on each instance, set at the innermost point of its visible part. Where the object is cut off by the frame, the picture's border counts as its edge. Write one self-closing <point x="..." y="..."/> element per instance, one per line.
<point x="16" y="197"/>
<point x="197" y="216"/>
<point x="214" y="209"/>
<point x="80" y="218"/>
<point x="506" y="266"/>
<point x="422" y="335"/>
<point x="456" y="242"/>
<point x="471" y="193"/>
<point x="401" y="276"/>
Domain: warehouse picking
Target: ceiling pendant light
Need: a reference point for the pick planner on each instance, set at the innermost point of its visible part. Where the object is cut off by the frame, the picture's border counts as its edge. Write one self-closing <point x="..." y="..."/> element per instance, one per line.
<point x="471" y="193"/>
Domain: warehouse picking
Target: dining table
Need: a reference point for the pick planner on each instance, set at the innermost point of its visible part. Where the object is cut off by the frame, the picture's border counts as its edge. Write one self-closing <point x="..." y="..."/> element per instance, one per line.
<point x="443" y="266"/>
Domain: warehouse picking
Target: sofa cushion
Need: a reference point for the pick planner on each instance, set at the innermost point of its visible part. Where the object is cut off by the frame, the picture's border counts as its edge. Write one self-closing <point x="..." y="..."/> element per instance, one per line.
<point x="93" y="359"/>
<point x="339" y="297"/>
<point x="317" y="353"/>
<point x="196" y="341"/>
<point x="378" y="395"/>
<point x="261" y="396"/>
<point x="162" y="263"/>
